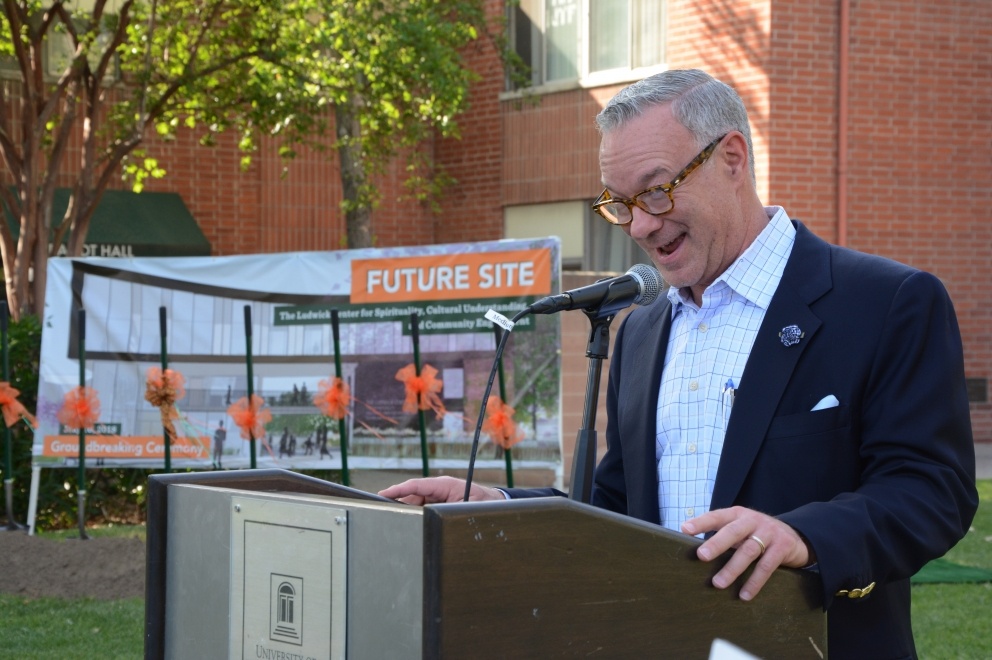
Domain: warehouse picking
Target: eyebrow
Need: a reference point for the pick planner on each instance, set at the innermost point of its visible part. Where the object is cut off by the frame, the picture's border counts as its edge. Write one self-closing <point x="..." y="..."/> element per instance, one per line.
<point x="654" y="176"/>
<point x="657" y="175"/>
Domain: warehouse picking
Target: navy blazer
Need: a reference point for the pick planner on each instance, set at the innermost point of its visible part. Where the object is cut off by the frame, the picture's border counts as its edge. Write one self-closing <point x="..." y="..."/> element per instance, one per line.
<point x="879" y="485"/>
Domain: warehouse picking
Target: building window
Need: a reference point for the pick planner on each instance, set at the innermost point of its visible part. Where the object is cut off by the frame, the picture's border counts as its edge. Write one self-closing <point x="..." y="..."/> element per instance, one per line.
<point x="57" y="54"/>
<point x="588" y="42"/>
<point x="587" y="241"/>
<point x="608" y="248"/>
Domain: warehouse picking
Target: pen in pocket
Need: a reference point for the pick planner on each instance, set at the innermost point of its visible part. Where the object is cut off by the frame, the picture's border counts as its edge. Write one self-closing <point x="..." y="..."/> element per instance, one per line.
<point x="727" y="401"/>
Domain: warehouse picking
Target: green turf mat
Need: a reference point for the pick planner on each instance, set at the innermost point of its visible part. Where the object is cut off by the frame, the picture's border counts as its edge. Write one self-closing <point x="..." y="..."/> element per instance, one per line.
<point x="942" y="570"/>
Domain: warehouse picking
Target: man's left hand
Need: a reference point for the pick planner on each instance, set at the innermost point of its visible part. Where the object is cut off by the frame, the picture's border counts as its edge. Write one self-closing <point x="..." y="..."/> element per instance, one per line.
<point x="756" y="538"/>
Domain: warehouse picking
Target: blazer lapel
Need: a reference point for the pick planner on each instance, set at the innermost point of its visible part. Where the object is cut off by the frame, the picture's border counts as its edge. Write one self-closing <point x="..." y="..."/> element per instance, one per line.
<point x="652" y="355"/>
<point x="644" y="345"/>
<point x="771" y="363"/>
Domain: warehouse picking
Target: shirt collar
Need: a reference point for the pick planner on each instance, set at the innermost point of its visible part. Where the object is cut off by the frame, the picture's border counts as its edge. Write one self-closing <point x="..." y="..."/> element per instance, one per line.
<point x="756" y="274"/>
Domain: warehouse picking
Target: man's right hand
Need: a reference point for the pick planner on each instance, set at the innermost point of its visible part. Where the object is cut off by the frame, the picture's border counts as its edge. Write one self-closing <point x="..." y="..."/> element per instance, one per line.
<point x="436" y="490"/>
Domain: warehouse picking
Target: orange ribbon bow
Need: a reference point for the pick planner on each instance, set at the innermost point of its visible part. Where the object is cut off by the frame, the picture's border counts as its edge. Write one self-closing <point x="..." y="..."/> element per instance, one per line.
<point x="14" y="410"/>
<point x="162" y="390"/>
<point x="250" y="418"/>
<point x="499" y="425"/>
<point x="333" y="397"/>
<point x="422" y="392"/>
<point x="80" y="409"/>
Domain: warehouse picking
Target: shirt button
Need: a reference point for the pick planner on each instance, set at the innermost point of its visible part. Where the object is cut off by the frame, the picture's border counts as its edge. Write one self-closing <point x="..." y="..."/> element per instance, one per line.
<point x="690" y="511"/>
<point x="693" y="385"/>
<point x="692" y="448"/>
<point x="703" y="327"/>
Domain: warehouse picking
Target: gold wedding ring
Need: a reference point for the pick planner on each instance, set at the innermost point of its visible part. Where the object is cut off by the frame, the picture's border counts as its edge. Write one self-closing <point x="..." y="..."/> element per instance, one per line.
<point x="759" y="542"/>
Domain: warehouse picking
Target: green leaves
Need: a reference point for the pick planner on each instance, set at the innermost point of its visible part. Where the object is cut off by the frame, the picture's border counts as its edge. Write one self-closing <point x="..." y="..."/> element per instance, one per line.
<point x="138" y="167"/>
<point x="118" y="72"/>
<point x="274" y="68"/>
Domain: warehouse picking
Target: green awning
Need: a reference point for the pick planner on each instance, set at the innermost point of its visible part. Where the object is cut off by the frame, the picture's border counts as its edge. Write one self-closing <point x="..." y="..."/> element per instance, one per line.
<point x="128" y="224"/>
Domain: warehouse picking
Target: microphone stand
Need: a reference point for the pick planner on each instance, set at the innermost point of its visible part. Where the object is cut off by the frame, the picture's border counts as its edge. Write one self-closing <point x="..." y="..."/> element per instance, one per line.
<point x="584" y="457"/>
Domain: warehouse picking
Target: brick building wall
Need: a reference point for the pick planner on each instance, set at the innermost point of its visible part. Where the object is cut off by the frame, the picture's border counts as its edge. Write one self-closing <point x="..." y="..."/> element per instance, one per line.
<point x="225" y="200"/>
<point x="919" y="173"/>
<point x="918" y="134"/>
<point x="277" y="205"/>
<point x="473" y="209"/>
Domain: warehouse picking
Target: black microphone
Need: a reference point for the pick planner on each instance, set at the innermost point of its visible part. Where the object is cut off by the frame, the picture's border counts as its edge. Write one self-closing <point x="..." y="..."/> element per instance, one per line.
<point x="640" y="285"/>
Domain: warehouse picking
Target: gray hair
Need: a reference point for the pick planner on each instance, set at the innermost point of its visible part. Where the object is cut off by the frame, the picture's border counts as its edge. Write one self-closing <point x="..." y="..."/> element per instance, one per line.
<point x="707" y="107"/>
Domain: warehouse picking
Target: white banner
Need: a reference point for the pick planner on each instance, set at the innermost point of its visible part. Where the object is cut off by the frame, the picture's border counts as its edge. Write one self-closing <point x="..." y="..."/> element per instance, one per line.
<point x="291" y="298"/>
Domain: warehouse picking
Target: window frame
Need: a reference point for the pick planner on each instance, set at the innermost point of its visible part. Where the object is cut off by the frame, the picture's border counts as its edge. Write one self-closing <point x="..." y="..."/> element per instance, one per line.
<point x="585" y="79"/>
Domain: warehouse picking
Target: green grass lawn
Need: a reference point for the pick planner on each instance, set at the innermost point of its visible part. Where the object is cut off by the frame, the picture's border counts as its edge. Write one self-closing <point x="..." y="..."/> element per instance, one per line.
<point x="955" y="620"/>
<point x="949" y="620"/>
<point x="56" y="628"/>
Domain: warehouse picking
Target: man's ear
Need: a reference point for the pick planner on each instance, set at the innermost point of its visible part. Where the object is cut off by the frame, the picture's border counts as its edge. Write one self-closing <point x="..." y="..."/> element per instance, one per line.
<point x="734" y="155"/>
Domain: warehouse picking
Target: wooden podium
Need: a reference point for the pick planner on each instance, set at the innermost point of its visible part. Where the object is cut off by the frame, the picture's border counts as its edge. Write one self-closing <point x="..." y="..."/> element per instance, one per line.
<point x="539" y="578"/>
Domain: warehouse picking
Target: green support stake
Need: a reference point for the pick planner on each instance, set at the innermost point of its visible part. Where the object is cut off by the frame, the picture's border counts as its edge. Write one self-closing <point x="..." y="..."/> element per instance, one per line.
<point x="81" y="478"/>
<point x="251" y="435"/>
<point x="507" y="454"/>
<point x="165" y="365"/>
<point x="8" y="458"/>
<point x="415" y="335"/>
<point x="342" y="430"/>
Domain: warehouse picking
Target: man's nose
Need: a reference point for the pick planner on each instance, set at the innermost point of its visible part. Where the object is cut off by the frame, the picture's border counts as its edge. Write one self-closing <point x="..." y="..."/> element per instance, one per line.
<point x="643" y="224"/>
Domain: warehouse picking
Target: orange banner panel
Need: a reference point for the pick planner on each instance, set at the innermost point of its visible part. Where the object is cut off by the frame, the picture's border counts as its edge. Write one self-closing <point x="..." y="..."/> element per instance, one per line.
<point x="125" y="446"/>
<point x="452" y="276"/>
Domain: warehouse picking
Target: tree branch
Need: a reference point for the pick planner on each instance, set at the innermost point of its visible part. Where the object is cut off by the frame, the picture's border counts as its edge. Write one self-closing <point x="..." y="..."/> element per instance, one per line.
<point x="60" y="147"/>
<point x="8" y="149"/>
<point x="117" y="39"/>
<point x="17" y="19"/>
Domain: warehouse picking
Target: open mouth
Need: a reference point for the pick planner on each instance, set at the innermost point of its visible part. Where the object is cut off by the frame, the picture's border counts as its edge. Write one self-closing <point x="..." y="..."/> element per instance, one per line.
<point x="673" y="245"/>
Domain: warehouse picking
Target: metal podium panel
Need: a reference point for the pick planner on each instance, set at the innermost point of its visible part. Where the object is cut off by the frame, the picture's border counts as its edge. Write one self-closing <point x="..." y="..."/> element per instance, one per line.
<point x="288" y="579"/>
<point x="253" y="574"/>
<point x="198" y="575"/>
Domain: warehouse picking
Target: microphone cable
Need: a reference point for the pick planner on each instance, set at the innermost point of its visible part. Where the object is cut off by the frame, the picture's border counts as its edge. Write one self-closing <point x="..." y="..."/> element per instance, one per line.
<point x="485" y="399"/>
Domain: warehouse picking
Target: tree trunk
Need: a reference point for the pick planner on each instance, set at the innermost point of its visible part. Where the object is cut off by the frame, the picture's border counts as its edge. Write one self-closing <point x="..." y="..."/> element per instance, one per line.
<point x="13" y="264"/>
<point x="358" y="215"/>
<point x="29" y="241"/>
<point x="17" y="267"/>
<point x="39" y="266"/>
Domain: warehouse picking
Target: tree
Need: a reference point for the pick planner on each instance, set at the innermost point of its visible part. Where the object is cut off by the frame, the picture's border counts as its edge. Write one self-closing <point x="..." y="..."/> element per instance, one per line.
<point x="387" y="73"/>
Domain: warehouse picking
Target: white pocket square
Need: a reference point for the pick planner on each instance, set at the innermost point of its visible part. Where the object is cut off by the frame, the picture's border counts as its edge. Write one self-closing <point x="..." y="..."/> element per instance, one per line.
<point x="829" y="401"/>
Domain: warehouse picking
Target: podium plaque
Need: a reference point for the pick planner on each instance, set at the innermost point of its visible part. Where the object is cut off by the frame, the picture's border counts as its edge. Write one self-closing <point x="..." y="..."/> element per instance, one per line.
<point x="289" y="579"/>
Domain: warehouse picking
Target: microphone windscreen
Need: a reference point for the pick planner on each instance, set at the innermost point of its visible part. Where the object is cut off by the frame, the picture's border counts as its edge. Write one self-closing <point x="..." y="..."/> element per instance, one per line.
<point x="651" y="283"/>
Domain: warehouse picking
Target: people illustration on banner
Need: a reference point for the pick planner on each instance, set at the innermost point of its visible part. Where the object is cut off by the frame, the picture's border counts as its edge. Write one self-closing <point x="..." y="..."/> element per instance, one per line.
<point x="220" y="435"/>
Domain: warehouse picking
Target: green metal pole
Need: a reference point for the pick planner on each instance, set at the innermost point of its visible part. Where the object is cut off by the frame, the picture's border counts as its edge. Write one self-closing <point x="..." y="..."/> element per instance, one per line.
<point x="342" y="429"/>
<point x="81" y="478"/>
<point x="165" y="365"/>
<point x="251" y="436"/>
<point x="507" y="455"/>
<point x="8" y="459"/>
<point x="415" y="335"/>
